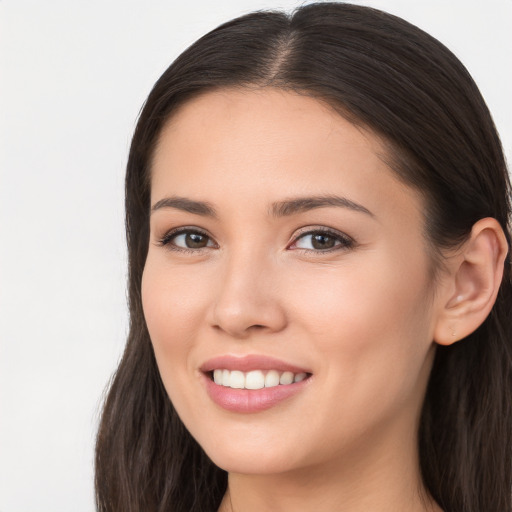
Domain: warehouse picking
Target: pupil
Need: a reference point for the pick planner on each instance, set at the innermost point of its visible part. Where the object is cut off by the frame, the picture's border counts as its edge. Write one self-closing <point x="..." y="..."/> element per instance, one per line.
<point x="195" y="240"/>
<point x="323" y="241"/>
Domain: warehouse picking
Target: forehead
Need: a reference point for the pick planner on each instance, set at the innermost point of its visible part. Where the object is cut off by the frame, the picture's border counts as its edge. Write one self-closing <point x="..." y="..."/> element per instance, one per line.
<point x="256" y="113"/>
<point x="271" y="142"/>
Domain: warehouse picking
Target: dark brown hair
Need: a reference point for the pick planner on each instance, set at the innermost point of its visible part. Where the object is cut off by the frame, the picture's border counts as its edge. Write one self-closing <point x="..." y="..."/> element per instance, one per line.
<point x="385" y="74"/>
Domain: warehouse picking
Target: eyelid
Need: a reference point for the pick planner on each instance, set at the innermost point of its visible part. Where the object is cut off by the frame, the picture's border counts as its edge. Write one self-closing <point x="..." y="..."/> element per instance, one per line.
<point x="165" y="240"/>
<point x="347" y="242"/>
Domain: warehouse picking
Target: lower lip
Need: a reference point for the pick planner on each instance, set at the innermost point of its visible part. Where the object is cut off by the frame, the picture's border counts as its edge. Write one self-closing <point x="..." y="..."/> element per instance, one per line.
<point x="251" y="400"/>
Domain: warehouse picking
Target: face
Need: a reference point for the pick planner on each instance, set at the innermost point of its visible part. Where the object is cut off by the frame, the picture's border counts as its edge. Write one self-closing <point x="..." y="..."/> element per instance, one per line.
<point x="283" y="249"/>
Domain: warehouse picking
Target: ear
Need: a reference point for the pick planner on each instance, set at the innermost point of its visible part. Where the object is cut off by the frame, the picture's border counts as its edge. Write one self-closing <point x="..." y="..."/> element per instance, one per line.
<point x="475" y="274"/>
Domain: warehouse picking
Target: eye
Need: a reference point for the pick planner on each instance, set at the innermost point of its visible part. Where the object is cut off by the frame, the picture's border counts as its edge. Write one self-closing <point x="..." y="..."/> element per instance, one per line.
<point x="186" y="239"/>
<point x="322" y="240"/>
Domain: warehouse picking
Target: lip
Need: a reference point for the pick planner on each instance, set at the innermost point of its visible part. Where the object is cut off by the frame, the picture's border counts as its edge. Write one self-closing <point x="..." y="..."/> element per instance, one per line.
<point x="249" y="363"/>
<point x="247" y="401"/>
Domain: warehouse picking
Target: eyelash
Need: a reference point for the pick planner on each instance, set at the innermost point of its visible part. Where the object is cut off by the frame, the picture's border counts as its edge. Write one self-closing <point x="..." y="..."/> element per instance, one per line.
<point x="166" y="240"/>
<point x="344" y="241"/>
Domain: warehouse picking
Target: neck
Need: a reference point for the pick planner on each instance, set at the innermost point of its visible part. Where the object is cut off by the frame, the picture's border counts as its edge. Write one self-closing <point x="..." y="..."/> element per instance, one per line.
<point x="386" y="481"/>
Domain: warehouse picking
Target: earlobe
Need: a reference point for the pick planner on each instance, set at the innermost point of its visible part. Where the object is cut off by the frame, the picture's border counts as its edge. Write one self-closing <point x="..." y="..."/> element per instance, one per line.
<point x="475" y="278"/>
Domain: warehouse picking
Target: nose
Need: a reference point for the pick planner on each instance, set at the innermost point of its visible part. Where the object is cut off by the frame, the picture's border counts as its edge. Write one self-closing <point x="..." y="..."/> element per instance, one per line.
<point x="248" y="297"/>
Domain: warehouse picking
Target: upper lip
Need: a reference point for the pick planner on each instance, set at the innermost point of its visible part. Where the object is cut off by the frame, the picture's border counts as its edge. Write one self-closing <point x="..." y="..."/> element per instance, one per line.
<point x="248" y="363"/>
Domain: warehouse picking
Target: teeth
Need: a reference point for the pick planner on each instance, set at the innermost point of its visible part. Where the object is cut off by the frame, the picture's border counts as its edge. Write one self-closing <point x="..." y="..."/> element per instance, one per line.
<point x="272" y="379"/>
<point x="237" y="380"/>
<point x="255" y="379"/>
<point x="299" y="377"/>
<point x="286" y="378"/>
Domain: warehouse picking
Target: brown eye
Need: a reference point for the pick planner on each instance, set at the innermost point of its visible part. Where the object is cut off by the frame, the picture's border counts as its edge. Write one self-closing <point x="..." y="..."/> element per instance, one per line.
<point x="195" y="240"/>
<point x="323" y="241"/>
<point x="187" y="239"/>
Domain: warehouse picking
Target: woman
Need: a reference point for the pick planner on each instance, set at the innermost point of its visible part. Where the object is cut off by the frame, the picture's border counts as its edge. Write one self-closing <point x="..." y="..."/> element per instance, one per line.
<point x="320" y="291"/>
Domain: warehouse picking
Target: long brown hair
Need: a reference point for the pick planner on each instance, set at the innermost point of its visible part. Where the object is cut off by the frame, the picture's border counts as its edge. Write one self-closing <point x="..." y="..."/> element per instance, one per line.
<point x="386" y="74"/>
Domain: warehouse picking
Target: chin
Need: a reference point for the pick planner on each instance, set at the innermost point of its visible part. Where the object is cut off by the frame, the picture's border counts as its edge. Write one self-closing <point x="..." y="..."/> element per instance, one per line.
<point x="237" y="456"/>
<point x="250" y="464"/>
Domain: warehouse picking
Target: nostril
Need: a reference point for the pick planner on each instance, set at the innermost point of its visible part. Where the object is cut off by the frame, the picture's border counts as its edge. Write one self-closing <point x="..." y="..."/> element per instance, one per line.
<point x="239" y="312"/>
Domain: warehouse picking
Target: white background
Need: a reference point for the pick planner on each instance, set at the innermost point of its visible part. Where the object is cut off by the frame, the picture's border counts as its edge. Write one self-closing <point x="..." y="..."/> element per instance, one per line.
<point x="73" y="76"/>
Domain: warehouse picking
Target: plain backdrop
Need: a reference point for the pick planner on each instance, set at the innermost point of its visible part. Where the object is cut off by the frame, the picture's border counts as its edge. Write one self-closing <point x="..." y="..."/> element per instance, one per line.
<point x="73" y="76"/>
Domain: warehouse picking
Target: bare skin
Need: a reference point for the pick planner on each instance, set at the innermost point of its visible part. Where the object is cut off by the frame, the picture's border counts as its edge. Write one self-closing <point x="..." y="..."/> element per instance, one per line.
<point x="342" y="289"/>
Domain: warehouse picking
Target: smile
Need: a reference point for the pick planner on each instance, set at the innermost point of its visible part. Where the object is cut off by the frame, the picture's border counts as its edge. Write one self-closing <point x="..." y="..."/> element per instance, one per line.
<point x="252" y="383"/>
<point x="256" y="379"/>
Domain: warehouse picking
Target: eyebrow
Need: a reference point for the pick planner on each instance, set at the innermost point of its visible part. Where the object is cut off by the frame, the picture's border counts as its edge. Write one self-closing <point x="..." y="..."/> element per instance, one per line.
<point x="302" y="204"/>
<point x="279" y="209"/>
<point x="187" y="205"/>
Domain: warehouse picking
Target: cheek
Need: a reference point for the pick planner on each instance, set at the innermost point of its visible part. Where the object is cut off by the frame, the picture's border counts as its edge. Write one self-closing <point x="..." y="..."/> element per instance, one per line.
<point x="370" y="323"/>
<point x="361" y="297"/>
<point x="172" y="308"/>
